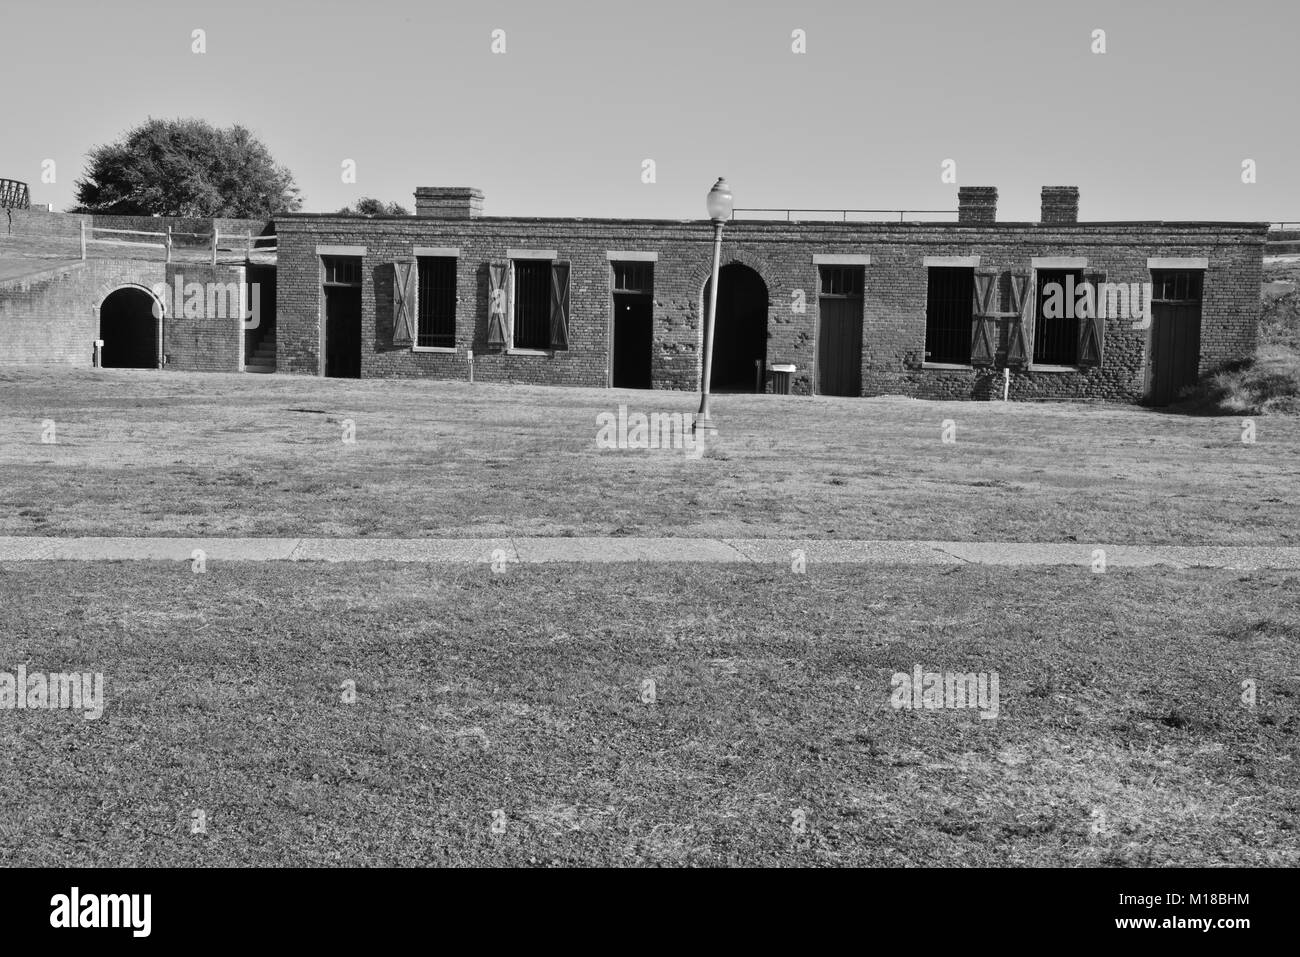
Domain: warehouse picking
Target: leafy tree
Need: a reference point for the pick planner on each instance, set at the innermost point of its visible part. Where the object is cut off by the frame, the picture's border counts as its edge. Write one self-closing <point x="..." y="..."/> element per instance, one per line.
<point x="367" y="206"/>
<point x="186" y="168"/>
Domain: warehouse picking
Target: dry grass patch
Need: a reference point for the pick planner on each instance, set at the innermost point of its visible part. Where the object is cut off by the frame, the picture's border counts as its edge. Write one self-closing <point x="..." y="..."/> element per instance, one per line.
<point x="1121" y="738"/>
<point x="179" y="454"/>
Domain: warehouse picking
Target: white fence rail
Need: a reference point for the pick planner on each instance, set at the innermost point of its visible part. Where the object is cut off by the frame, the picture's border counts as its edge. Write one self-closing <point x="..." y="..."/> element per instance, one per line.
<point x="219" y="242"/>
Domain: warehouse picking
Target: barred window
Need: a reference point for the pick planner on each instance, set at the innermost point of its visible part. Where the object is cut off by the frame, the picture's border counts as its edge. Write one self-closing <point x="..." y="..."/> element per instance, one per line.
<point x="634" y="277"/>
<point x="437" y="326"/>
<point x="342" y="270"/>
<point x="1176" y="285"/>
<point x="1056" y="338"/>
<point x="532" y="304"/>
<point x="949" y="314"/>
<point x="842" y="282"/>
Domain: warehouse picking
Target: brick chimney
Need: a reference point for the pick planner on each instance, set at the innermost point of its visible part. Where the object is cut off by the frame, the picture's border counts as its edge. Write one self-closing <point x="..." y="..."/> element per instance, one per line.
<point x="977" y="204"/>
<point x="1060" y="204"/>
<point x="448" y="202"/>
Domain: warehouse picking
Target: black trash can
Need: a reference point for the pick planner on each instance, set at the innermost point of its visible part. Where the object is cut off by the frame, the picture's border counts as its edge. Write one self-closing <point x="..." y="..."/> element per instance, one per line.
<point x="782" y="373"/>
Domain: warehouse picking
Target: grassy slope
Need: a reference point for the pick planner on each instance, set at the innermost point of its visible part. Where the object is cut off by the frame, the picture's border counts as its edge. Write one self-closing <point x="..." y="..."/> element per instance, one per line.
<point x="1270" y="382"/>
<point x="1120" y="705"/>
<point x="173" y="454"/>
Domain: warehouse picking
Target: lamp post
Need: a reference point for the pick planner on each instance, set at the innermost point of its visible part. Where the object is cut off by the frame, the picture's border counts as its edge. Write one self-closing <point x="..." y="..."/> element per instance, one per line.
<point x="719" y="206"/>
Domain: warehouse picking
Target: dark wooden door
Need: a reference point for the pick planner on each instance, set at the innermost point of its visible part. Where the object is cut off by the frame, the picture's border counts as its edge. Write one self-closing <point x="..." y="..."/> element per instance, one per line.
<point x="633" y="340"/>
<point x="839" y="347"/>
<point x="1175" y="348"/>
<point x="1175" y="332"/>
<point x="343" y="332"/>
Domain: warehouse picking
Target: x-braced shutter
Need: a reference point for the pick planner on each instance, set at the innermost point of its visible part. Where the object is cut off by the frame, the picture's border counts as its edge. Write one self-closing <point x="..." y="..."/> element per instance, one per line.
<point x="982" y="329"/>
<point x="404" y="295"/>
<point x="560" y="305"/>
<point x="1020" y="334"/>
<point x="1092" y="327"/>
<point x="496" y="331"/>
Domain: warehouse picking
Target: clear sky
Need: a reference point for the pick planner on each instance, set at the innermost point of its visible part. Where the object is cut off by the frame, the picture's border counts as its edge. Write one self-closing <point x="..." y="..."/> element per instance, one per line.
<point x="560" y="124"/>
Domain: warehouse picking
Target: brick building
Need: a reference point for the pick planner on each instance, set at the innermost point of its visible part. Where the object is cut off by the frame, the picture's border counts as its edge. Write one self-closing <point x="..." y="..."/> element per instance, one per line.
<point x="928" y="309"/>
<point x="923" y="309"/>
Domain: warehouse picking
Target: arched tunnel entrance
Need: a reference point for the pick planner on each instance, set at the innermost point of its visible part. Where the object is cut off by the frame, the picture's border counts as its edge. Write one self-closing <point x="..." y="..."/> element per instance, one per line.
<point x="128" y="324"/>
<point x="740" y="329"/>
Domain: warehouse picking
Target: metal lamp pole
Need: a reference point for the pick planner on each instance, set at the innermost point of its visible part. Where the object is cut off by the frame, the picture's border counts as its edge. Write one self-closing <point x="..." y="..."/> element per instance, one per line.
<point x="720" y="206"/>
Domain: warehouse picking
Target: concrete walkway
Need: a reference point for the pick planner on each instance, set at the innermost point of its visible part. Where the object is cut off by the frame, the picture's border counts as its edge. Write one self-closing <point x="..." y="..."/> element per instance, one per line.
<point x="604" y="550"/>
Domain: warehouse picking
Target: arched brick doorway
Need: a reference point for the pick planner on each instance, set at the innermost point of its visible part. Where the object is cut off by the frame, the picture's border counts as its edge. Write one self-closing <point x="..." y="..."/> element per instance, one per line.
<point x="740" y="329"/>
<point x="128" y="324"/>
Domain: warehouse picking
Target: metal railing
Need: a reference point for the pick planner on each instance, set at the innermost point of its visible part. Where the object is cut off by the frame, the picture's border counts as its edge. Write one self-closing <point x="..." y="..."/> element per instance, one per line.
<point x="14" y="195"/>
<point x="828" y="215"/>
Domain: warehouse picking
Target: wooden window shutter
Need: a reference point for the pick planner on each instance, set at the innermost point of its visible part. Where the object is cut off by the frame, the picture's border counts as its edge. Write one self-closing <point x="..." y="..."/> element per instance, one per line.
<point x="405" y="280"/>
<point x="496" y="331"/>
<point x="1020" y="339"/>
<point x="985" y="309"/>
<point x="559" y="305"/>
<point x="1092" y="328"/>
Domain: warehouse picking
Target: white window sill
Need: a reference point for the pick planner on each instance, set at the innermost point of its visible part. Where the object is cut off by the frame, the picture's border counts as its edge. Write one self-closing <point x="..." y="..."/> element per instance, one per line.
<point x="1034" y="368"/>
<point x="529" y="352"/>
<point x="446" y="350"/>
<point x="951" y="366"/>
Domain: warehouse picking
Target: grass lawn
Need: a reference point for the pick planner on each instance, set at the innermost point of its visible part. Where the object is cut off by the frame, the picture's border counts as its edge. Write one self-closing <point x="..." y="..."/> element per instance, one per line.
<point x="1121" y="738"/>
<point x="149" y="453"/>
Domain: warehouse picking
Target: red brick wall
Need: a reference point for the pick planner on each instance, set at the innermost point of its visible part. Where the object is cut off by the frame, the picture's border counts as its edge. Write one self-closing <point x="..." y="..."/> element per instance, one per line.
<point x="894" y="335"/>
<point x="53" y="318"/>
<point x="894" y="320"/>
<point x="41" y="224"/>
<point x="214" y="343"/>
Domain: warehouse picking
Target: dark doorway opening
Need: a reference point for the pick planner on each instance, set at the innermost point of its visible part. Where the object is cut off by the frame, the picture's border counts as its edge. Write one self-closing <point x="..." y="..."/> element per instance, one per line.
<point x="740" y="330"/>
<point x="128" y="324"/>
<point x="259" y="340"/>
<point x="633" y="340"/>
<point x="1175" y="333"/>
<point x="342" y="275"/>
<point x="343" y="332"/>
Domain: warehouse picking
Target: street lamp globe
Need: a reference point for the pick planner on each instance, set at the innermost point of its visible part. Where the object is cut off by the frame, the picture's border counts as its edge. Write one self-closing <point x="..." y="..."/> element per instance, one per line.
<point x="719" y="201"/>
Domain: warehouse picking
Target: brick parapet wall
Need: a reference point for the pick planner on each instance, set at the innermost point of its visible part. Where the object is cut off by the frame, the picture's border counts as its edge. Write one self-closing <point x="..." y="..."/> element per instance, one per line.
<point x="41" y="224"/>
